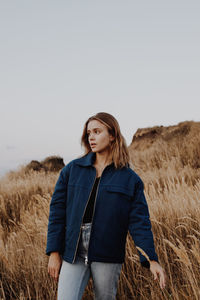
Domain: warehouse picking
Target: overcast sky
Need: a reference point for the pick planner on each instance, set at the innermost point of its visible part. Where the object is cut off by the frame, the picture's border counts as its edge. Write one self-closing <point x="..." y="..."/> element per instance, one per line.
<point x="63" y="61"/>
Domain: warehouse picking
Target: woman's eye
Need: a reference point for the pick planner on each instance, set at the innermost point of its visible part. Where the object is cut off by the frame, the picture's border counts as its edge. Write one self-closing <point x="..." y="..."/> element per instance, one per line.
<point x="95" y="131"/>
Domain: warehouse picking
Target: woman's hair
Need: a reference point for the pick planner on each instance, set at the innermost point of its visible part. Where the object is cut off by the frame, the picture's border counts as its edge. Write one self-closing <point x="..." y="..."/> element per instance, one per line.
<point x="118" y="148"/>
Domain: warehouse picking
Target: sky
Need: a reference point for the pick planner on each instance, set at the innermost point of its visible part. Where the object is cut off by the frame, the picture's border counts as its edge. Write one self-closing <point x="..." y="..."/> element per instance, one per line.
<point x="63" y="61"/>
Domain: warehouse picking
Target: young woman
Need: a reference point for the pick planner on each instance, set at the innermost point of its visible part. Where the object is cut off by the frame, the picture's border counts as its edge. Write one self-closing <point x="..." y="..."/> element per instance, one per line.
<point x="97" y="199"/>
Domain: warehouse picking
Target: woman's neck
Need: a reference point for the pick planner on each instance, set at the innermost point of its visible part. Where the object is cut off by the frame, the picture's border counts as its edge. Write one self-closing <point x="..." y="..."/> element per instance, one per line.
<point x="102" y="159"/>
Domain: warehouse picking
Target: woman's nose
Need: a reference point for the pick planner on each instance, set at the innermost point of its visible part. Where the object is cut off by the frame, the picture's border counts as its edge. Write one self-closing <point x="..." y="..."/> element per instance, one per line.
<point x="91" y="137"/>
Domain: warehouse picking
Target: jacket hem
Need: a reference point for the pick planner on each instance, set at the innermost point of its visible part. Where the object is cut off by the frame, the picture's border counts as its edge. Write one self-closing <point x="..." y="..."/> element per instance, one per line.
<point x="97" y="259"/>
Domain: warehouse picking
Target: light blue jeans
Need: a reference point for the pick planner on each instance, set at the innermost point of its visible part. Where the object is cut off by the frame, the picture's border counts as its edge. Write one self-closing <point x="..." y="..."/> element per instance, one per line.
<point x="73" y="278"/>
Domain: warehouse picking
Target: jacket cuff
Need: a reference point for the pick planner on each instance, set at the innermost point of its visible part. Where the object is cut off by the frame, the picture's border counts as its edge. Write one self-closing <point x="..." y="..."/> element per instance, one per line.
<point x="49" y="252"/>
<point x="145" y="264"/>
<point x="152" y="255"/>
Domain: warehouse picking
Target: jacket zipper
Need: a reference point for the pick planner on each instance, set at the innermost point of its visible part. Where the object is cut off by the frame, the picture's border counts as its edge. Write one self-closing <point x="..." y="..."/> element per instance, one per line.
<point x="86" y="258"/>
<point x="82" y="221"/>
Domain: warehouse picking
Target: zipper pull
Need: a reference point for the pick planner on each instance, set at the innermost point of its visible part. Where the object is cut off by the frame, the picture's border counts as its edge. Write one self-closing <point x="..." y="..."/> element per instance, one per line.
<point x="86" y="260"/>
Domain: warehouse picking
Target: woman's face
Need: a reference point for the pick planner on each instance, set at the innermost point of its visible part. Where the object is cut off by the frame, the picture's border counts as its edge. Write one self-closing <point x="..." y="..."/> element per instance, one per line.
<point x="98" y="136"/>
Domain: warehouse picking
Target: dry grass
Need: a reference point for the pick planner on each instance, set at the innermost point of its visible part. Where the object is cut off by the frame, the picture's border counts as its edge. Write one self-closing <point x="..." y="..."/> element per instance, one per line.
<point x="171" y="173"/>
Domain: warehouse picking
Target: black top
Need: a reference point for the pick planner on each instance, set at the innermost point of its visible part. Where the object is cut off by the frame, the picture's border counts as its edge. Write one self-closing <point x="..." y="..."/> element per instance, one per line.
<point x="90" y="206"/>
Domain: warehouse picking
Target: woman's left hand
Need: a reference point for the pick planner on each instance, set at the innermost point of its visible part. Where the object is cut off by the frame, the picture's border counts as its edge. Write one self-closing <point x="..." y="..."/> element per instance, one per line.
<point x="158" y="272"/>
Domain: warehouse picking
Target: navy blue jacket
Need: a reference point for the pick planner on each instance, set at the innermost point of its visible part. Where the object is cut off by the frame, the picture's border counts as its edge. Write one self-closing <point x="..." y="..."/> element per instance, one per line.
<point x="120" y="206"/>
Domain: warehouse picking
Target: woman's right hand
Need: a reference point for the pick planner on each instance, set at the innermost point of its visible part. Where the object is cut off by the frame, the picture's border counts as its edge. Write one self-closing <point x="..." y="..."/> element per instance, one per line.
<point x="54" y="265"/>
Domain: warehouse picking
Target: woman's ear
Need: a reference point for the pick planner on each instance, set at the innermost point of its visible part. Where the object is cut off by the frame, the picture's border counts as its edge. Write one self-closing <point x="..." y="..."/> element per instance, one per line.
<point x="111" y="138"/>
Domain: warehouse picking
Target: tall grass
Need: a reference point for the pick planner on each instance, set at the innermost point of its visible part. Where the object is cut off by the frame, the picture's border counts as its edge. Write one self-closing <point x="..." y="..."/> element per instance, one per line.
<point x="171" y="173"/>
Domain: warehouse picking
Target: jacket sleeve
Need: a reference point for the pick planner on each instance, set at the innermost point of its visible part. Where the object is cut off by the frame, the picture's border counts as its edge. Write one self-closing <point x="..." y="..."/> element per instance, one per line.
<point x="140" y="225"/>
<point x="57" y="214"/>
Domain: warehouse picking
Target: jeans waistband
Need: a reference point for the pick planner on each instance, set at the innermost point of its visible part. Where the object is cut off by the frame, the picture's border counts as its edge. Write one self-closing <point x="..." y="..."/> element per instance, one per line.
<point x="85" y="225"/>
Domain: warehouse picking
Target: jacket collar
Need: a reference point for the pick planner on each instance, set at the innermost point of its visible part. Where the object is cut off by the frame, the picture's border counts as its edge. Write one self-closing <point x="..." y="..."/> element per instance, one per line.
<point x="87" y="160"/>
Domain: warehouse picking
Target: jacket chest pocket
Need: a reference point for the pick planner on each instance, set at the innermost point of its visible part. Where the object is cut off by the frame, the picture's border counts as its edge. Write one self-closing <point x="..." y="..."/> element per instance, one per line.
<point x="119" y="192"/>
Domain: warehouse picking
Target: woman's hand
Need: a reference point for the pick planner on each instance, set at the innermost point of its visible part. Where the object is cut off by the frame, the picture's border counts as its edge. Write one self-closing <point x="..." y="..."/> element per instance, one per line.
<point x="54" y="265"/>
<point x="156" y="270"/>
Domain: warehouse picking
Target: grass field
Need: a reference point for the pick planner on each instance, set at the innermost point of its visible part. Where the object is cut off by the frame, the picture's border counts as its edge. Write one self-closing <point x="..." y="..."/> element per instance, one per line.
<point x="170" y="168"/>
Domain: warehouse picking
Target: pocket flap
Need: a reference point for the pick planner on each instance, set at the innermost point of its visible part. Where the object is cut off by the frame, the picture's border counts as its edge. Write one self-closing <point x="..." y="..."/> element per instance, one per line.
<point x="119" y="189"/>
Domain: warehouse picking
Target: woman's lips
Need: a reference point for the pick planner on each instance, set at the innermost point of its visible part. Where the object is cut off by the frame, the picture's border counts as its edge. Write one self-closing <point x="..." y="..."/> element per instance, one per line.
<point x="93" y="145"/>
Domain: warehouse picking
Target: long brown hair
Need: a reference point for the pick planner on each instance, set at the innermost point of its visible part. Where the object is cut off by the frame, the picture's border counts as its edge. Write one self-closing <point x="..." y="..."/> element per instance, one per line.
<point x="118" y="148"/>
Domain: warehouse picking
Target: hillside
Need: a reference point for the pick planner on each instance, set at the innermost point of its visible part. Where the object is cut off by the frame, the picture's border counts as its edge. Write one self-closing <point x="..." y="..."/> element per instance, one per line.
<point x="168" y="151"/>
<point x="182" y="140"/>
<point x="145" y="138"/>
